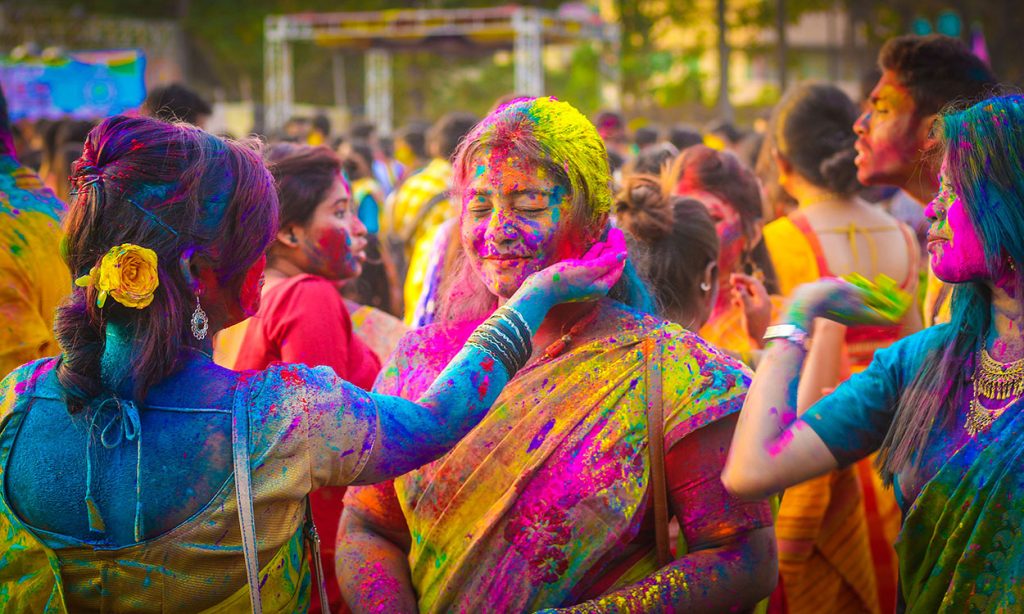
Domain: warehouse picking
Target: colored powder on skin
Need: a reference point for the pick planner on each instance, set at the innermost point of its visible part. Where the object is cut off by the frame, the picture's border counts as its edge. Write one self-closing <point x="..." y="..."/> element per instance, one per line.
<point x="564" y="133"/>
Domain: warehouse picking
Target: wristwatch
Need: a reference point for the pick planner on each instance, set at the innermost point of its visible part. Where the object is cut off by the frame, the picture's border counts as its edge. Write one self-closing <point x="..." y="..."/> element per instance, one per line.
<point x="789" y="332"/>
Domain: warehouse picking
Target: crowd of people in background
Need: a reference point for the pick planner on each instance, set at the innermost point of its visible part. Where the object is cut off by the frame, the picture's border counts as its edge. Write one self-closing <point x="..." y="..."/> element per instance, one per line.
<point x="530" y="361"/>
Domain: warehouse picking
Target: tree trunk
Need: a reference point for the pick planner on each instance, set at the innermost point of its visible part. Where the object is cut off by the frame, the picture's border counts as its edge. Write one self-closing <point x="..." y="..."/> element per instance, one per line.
<point x="725" y="110"/>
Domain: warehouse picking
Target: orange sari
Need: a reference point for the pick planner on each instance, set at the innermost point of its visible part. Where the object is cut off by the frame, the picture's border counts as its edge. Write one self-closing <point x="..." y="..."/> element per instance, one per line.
<point x="836" y="533"/>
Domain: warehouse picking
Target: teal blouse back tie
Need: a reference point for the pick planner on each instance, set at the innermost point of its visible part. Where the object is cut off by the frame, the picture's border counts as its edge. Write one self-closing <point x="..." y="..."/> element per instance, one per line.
<point x="122" y="423"/>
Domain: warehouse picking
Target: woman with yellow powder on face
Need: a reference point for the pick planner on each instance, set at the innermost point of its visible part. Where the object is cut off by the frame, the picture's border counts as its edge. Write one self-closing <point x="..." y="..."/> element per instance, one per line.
<point x="553" y="501"/>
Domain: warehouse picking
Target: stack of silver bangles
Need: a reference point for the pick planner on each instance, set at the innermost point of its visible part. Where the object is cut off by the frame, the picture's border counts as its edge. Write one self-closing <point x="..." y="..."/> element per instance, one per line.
<point x="505" y="337"/>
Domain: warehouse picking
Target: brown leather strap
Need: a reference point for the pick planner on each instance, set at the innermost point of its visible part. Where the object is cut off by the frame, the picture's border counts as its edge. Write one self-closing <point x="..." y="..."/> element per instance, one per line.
<point x="656" y="442"/>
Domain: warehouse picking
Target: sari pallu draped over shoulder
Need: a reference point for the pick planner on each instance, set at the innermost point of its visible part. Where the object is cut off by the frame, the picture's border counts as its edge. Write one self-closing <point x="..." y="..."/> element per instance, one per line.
<point x="962" y="544"/>
<point x="550" y="489"/>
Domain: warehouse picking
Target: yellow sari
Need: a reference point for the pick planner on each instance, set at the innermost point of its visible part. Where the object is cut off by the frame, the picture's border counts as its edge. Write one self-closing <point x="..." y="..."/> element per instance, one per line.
<point x="548" y="492"/>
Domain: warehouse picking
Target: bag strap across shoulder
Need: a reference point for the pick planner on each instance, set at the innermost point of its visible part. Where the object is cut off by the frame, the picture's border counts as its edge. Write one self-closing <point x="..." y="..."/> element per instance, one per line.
<point x="246" y="515"/>
<point x="656" y="445"/>
<point x="243" y="490"/>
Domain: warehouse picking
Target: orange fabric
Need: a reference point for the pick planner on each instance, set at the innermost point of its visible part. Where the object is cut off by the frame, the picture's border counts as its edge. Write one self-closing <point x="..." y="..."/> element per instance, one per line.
<point x="799" y="258"/>
<point x="728" y="331"/>
<point x="824" y="552"/>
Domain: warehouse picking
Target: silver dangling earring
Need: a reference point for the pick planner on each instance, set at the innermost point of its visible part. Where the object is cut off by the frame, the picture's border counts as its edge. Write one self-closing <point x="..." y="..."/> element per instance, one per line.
<point x="705" y="287"/>
<point x="200" y="323"/>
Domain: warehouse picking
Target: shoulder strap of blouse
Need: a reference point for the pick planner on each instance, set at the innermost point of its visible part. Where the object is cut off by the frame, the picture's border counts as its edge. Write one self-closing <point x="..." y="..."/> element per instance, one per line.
<point x="243" y="490"/>
<point x="799" y="219"/>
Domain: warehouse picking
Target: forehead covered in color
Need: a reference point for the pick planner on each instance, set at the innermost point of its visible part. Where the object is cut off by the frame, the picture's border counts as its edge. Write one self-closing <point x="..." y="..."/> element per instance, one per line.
<point x="565" y="140"/>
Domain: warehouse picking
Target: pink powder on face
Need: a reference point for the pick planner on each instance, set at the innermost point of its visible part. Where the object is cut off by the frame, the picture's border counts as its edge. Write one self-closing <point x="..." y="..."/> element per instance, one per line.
<point x="334" y="247"/>
<point x="956" y="251"/>
<point x="512" y="222"/>
<point x="335" y="237"/>
<point x="252" y="287"/>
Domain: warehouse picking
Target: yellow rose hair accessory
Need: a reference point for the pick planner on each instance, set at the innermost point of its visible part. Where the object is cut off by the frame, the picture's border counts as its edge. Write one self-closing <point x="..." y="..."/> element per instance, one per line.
<point x="128" y="273"/>
<point x="883" y="296"/>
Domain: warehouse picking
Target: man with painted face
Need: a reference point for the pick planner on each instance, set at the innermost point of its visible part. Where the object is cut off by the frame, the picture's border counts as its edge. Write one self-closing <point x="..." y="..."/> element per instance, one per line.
<point x="895" y="137"/>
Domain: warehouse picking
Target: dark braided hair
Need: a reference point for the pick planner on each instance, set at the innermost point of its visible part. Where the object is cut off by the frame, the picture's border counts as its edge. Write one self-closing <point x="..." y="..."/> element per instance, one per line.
<point x="171" y="188"/>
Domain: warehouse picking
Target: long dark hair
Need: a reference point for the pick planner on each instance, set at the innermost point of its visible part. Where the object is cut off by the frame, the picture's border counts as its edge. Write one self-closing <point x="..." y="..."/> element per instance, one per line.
<point x="984" y="149"/>
<point x="171" y="188"/>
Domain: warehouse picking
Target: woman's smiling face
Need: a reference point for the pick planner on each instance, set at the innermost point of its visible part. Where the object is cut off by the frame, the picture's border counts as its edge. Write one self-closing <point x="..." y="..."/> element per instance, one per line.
<point x="515" y="221"/>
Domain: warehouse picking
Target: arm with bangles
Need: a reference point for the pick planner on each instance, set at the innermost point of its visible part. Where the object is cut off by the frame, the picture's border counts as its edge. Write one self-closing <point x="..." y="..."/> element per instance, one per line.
<point x="731" y="562"/>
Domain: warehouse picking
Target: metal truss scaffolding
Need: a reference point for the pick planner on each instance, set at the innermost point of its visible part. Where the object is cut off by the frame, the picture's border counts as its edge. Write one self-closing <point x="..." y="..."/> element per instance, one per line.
<point x="523" y="30"/>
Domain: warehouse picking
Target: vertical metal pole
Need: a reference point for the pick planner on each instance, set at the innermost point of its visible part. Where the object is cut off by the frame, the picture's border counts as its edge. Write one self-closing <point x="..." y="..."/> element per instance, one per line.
<point x="725" y="110"/>
<point x="273" y="73"/>
<point x="287" y="84"/>
<point x="529" y="65"/>
<point x="378" y="89"/>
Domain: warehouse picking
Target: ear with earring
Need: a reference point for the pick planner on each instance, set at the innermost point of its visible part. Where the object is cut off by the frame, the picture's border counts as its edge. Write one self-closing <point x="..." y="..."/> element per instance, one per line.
<point x="200" y="322"/>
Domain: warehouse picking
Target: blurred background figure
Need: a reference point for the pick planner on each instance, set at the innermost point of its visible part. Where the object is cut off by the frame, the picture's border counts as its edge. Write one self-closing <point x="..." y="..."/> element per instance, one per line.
<point x="684" y="135"/>
<point x="611" y="125"/>
<point x="416" y="215"/>
<point x="177" y="102"/>
<point x="732" y="196"/>
<point x="62" y="144"/>
<point x="379" y="286"/>
<point x="33" y="278"/>
<point x="411" y="147"/>
<point x="644" y="137"/>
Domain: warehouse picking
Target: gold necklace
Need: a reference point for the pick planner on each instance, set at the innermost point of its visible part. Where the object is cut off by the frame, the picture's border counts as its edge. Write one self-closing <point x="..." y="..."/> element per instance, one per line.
<point x="995" y="381"/>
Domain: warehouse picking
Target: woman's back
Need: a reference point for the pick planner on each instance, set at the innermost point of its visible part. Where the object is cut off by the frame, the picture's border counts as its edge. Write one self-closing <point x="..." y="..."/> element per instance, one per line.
<point x="841" y="238"/>
<point x="188" y="556"/>
<point x="856" y="237"/>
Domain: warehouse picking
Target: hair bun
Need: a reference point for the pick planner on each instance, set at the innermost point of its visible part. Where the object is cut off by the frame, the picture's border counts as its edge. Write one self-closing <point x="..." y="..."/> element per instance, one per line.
<point x="840" y="172"/>
<point x="641" y="208"/>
